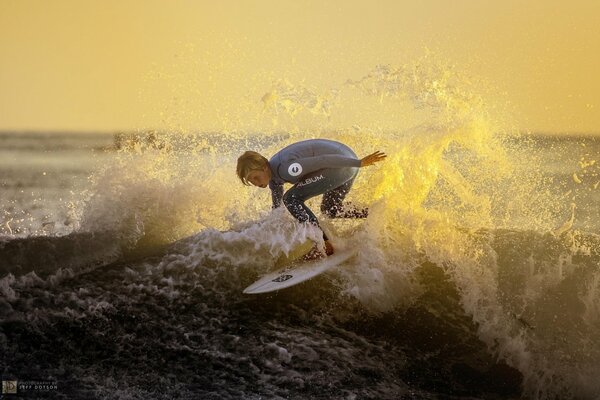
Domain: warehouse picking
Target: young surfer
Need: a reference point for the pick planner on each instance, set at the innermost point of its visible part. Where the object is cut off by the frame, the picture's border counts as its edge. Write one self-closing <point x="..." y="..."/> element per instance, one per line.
<point x="314" y="167"/>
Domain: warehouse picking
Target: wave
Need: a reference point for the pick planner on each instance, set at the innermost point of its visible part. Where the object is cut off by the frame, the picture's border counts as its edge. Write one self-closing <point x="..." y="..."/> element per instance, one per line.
<point x="466" y="241"/>
<point x="530" y="299"/>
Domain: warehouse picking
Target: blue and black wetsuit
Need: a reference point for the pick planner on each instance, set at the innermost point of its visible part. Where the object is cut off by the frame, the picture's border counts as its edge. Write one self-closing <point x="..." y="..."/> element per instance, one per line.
<point x="314" y="167"/>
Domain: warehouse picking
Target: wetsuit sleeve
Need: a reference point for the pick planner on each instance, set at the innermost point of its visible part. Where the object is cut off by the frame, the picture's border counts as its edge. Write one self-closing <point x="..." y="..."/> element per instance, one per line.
<point x="276" y="194"/>
<point x="310" y="164"/>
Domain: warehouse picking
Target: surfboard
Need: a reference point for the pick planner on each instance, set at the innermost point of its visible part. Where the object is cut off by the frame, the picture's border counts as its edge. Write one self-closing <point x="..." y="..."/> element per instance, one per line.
<point x="298" y="272"/>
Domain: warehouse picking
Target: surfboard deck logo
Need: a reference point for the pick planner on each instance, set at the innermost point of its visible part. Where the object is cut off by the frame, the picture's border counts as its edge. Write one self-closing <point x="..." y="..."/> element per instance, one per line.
<point x="282" y="278"/>
<point x="297" y="273"/>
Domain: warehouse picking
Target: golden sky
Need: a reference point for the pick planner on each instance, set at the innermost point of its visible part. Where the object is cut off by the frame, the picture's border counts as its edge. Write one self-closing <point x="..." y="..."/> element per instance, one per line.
<point x="120" y="65"/>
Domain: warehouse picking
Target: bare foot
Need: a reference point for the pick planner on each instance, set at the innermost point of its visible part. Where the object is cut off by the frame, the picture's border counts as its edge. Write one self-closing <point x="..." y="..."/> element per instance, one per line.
<point x="328" y="248"/>
<point x="315" y="253"/>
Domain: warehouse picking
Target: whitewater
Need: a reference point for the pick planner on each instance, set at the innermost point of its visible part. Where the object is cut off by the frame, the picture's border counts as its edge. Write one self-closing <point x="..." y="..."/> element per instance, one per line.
<point x="123" y="257"/>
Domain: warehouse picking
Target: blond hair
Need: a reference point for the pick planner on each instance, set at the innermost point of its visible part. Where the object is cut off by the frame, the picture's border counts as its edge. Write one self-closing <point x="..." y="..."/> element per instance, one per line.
<point x="250" y="161"/>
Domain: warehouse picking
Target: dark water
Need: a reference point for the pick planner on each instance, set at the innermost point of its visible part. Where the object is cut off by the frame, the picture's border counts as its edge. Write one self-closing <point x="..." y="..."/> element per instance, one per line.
<point x="94" y="300"/>
<point x="178" y="328"/>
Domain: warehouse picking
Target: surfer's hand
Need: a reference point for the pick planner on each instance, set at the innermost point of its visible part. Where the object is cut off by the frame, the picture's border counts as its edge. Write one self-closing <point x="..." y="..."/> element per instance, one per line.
<point x="372" y="158"/>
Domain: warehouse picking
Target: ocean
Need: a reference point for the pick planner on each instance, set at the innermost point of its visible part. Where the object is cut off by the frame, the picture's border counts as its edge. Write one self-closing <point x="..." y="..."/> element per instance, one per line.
<point x="123" y="259"/>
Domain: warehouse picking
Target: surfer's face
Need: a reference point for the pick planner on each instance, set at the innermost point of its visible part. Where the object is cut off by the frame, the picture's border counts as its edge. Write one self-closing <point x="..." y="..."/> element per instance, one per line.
<point x="259" y="177"/>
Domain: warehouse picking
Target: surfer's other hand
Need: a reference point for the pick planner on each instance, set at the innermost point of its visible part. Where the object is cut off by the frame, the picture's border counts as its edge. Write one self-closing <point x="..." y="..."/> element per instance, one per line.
<point x="328" y="248"/>
<point x="372" y="158"/>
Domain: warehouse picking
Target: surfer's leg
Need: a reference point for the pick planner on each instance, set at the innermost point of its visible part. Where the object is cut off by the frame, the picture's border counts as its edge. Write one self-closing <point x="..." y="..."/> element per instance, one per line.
<point x="332" y="204"/>
<point x="312" y="185"/>
<point x="294" y="201"/>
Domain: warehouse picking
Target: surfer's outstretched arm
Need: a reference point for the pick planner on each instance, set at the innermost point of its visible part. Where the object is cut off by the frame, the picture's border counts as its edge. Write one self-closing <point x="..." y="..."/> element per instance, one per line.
<point x="302" y="167"/>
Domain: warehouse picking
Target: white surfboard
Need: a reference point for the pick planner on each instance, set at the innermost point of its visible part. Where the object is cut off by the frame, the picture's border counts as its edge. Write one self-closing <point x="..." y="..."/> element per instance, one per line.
<point x="297" y="273"/>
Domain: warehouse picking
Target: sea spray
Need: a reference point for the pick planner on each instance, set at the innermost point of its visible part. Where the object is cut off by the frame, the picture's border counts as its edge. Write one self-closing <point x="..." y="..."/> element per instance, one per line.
<point x="444" y="182"/>
<point x="451" y="196"/>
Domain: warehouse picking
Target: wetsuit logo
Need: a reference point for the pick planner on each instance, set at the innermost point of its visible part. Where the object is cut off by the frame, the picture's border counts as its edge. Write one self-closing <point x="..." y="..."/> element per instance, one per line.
<point x="295" y="169"/>
<point x="308" y="181"/>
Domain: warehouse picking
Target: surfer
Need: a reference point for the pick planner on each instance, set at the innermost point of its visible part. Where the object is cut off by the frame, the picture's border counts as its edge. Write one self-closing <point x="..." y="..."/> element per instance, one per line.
<point x="313" y="167"/>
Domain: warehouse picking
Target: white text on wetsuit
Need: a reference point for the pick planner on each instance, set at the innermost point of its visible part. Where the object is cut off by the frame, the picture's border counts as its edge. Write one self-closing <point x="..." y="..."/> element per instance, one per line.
<point x="310" y="180"/>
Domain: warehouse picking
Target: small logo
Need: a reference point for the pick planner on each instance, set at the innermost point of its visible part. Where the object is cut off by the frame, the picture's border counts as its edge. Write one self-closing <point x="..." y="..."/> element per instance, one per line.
<point x="295" y="169"/>
<point x="282" y="278"/>
<point x="9" y="387"/>
<point x="308" y="181"/>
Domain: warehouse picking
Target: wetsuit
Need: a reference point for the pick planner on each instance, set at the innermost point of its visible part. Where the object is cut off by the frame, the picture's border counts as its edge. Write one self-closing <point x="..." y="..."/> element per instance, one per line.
<point x="314" y="167"/>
